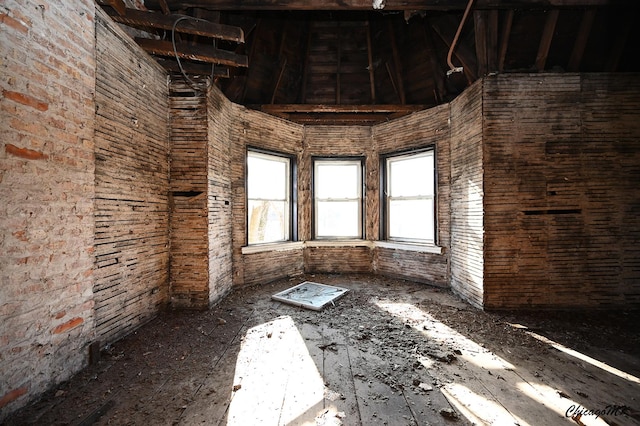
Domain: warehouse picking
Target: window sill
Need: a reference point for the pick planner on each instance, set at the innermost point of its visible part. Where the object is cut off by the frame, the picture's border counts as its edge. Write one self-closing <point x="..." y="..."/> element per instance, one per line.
<point x="297" y="245"/>
<point x="338" y="243"/>
<point x="282" y="246"/>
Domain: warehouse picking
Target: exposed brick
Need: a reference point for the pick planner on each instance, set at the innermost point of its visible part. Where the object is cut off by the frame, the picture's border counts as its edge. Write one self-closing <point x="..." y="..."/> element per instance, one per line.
<point x="25" y="99"/>
<point x="67" y="325"/>
<point x="20" y="235"/>
<point x="13" y="395"/>
<point x="29" y="154"/>
<point x="13" y="23"/>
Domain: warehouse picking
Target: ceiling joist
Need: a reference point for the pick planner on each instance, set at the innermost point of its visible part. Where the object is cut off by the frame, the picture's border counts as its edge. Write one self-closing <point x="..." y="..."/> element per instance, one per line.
<point x="200" y="53"/>
<point x="309" y="108"/>
<point x="194" y="68"/>
<point x="257" y="5"/>
<point x="139" y="18"/>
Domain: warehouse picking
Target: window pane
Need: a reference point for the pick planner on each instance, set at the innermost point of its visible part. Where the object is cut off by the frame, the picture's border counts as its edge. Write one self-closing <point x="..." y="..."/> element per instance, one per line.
<point x="267" y="177"/>
<point x="338" y="219"/>
<point x="337" y="180"/>
<point x="411" y="219"/>
<point x="411" y="176"/>
<point x="268" y="221"/>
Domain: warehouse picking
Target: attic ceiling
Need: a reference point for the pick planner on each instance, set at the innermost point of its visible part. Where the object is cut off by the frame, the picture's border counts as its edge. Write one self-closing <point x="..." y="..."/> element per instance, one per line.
<point x="364" y="62"/>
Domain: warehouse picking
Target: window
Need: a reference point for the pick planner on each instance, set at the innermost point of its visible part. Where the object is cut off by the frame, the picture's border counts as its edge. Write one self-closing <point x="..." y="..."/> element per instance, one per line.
<point x="269" y="197"/>
<point x="408" y="198"/>
<point x="337" y="193"/>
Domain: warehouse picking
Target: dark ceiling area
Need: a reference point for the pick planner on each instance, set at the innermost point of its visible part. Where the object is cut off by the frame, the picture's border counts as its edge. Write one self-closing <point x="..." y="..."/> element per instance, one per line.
<point x="357" y="62"/>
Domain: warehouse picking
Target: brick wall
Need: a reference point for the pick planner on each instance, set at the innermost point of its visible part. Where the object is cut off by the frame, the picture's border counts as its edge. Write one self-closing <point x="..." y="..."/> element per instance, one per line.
<point x="46" y="190"/>
<point x="562" y="167"/>
<point x="132" y="181"/>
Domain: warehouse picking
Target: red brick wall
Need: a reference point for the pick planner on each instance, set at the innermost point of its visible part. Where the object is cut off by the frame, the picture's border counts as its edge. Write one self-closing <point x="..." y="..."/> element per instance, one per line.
<point x="47" y="79"/>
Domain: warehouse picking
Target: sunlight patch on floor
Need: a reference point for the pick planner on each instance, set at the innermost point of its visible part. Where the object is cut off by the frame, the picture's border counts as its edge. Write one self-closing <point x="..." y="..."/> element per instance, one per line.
<point x="484" y="387"/>
<point x="484" y="412"/>
<point x="585" y="358"/>
<point x="550" y="398"/>
<point x="276" y="381"/>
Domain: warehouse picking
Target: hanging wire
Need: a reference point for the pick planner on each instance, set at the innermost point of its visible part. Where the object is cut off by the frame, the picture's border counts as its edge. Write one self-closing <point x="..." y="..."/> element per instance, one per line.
<point x="192" y="83"/>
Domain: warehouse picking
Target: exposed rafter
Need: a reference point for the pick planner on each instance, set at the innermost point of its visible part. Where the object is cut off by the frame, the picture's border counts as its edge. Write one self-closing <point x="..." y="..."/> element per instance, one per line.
<point x="255" y="5"/>
<point x="200" y="53"/>
<point x="139" y="18"/>
<point x="547" y="37"/>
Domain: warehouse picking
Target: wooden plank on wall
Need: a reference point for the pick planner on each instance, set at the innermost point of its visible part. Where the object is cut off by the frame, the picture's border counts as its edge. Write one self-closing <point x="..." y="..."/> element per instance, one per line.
<point x="131" y="185"/>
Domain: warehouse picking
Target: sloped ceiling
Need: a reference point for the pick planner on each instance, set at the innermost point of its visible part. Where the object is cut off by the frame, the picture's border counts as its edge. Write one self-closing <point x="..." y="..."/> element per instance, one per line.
<point x="362" y="62"/>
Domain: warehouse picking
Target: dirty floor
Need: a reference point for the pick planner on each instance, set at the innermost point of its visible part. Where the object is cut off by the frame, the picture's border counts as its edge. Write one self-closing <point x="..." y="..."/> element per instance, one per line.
<point x="389" y="352"/>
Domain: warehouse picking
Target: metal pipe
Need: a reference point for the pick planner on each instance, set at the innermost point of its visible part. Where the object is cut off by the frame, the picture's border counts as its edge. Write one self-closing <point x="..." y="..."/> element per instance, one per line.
<point x="452" y="68"/>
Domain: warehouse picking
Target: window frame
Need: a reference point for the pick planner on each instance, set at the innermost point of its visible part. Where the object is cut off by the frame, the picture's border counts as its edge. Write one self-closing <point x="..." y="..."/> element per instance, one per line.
<point x="384" y="198"/>
<point x="360" y="161"/>
<point x="292" y="191"/>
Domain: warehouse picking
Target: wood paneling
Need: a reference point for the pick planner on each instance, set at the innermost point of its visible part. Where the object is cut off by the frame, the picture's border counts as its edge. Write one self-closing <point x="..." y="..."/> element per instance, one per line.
<point x="467" y="191"/>
<point x="418" y="130"/>
<point x="189" y="197"/>
<point x="561" y="168"/>
<point x="338" y="259"/>
<point x="261" y="268"/>
<point x="132" y="182"/>
<point x="219" y="196"/>
<point x="426" y="268"/>
<point x="257" y="129"/>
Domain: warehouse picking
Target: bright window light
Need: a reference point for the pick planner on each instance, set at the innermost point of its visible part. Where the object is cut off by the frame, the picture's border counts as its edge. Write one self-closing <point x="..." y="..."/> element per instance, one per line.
<point x="268" y="197"/>
<point x="338" y="198"/>
<point x="409" y="197"/>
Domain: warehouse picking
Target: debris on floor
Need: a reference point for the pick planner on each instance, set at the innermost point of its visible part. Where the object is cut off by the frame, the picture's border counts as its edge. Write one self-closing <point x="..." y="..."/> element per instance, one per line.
<point x="310" y="295"/>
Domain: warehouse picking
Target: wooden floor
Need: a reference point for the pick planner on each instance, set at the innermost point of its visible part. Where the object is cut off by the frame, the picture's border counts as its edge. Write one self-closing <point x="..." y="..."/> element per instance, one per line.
<point x="388" y="353"/>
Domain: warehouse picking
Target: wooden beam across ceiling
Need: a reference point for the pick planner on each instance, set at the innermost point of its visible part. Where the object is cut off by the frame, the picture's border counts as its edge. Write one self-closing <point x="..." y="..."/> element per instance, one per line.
<point x="139" y="18"/>
<point x="194" y="68"/>
<point x="319" y="108"/>
<point x="255" y="5"/>
<point x="200" y="53"/>
<point x="547" y="37"/>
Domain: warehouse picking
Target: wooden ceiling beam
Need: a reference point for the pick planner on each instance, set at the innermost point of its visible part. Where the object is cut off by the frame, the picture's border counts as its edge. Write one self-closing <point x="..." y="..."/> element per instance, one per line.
<point x="436" y="70"/>
<point x="200" y="53"/>
<point x="193" y="68"/>
<point x="547" y="37"/>
<point x="139" y="18"/>
<point x="164" y="7"/>
<point x="504" y="39"/>
<point x="372" y="82"/>
<point x="117" y="5"/>
<point x="396" y="62"/>
<point x="480" y="25"/>
<point x="319" y="108"/>
<point x="254" y="5"/>
<point x="492" y="41"/>
<point x="588" y="16"/>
